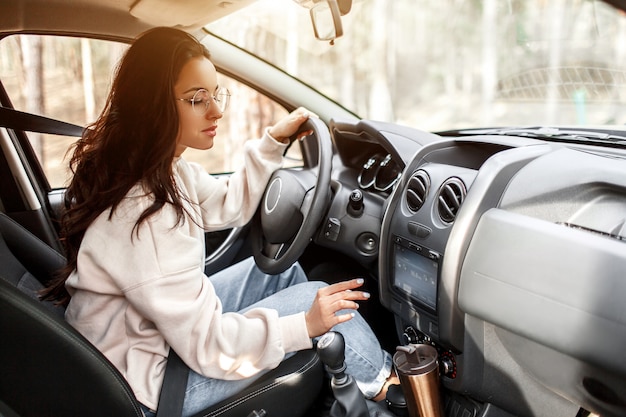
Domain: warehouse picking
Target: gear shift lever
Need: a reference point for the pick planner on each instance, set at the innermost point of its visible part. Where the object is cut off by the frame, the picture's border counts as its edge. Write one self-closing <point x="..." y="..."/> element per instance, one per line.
<point x="349" y="401"/>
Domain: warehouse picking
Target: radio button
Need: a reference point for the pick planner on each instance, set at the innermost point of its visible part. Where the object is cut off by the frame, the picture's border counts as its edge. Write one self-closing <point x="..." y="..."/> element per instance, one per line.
<point x="419" y="230"/>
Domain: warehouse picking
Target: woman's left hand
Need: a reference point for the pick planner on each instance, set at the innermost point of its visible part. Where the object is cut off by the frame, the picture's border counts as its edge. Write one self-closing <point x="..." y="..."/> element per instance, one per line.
<point x="289" y="125"/>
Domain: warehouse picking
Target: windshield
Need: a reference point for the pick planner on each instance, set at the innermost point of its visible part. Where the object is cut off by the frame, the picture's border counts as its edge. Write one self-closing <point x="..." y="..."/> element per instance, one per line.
<point x="448" y="64"/>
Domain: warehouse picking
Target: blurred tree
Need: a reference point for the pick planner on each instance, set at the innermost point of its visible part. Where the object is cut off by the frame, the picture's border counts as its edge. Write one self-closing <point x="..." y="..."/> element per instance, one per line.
<point x="380" y="102"/>
<point x="32" y="62"/>
<point x="489" y="59"/>
<point x="88" y="82"/>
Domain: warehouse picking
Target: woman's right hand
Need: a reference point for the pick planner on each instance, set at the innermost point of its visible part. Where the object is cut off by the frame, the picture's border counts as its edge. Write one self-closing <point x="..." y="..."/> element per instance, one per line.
<point x="289" y="125"/>
<point x="322" y="316"/>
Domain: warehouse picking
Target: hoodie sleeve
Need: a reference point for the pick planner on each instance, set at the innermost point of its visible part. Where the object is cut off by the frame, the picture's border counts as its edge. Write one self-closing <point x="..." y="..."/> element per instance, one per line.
<point x="159" y="272"/>
<point x="232" y="200"/>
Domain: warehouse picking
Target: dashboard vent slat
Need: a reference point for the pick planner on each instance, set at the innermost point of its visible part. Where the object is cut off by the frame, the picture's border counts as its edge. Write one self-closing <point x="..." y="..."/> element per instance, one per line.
<point x="450" y="198"/>
<point x="417" y="190"/>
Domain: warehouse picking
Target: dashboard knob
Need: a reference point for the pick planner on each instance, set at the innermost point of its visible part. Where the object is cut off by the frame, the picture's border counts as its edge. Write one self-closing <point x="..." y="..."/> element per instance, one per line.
<point x="447" y="365"/>
<point x="355" y="203"/>
<point x="409" y="336"/>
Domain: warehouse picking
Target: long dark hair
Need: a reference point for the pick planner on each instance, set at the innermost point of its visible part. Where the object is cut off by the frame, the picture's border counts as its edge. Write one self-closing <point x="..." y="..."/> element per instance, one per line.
<point x="133" y="141"/>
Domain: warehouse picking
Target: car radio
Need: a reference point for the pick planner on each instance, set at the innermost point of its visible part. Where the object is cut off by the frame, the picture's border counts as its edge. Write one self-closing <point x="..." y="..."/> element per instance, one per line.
<point x="415" y="274"/>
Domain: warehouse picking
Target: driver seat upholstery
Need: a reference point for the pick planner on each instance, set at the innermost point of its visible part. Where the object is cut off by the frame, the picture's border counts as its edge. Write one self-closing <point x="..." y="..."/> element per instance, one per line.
<point x="49" y="368"/>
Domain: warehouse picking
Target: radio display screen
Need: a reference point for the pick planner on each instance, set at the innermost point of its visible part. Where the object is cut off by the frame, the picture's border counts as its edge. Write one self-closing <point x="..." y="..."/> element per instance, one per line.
<point x="416" y="274"/>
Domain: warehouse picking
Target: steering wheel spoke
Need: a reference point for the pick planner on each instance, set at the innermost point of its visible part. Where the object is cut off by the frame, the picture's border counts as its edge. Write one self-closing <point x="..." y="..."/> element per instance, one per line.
<point x="272" y="250"/>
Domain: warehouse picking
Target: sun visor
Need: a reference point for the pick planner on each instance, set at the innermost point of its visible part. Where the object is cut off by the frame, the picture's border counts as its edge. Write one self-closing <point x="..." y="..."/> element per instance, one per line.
<point x="188" y="13"/>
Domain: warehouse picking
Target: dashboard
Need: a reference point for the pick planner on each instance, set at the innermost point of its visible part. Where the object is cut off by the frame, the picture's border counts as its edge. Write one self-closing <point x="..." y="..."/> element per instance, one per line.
<point x="506" y="253"/>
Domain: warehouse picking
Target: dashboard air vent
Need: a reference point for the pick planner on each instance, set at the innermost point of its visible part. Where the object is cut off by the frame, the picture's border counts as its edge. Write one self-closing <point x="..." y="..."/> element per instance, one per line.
<point x="450" y="198"/>
<point x="417" y="190"/>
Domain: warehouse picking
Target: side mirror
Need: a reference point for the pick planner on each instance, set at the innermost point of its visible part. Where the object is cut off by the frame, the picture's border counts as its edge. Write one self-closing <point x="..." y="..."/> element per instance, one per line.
<point x="326" y="17"/>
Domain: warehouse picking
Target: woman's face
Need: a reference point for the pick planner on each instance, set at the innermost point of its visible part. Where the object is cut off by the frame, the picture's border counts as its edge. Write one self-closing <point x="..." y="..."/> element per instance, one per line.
<point x="196" y="130"/>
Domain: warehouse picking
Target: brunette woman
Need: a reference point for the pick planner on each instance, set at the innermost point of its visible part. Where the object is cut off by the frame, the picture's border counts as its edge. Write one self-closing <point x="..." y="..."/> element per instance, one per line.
<point x="133" y="230"/>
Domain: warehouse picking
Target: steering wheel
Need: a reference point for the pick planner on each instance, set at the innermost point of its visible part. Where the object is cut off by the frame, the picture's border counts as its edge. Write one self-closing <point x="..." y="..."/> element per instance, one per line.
<point x="292" y="207"/>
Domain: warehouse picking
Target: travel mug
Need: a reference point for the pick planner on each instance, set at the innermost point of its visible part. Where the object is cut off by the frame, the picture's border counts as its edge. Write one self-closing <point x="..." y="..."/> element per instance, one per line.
<point x="418" y="370"/>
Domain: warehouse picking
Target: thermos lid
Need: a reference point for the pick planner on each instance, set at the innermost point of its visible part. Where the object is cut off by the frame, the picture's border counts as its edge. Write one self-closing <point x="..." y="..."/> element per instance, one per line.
<point x="415" y="359"/>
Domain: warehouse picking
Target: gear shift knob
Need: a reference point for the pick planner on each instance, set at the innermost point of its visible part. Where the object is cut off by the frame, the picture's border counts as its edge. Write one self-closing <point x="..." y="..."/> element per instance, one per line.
<point x="349" y="402"/>
<point x="330" y="348"/>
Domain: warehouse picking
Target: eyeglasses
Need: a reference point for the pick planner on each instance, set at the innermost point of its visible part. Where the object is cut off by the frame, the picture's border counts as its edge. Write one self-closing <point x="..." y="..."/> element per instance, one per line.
<point x="201" y="100"/>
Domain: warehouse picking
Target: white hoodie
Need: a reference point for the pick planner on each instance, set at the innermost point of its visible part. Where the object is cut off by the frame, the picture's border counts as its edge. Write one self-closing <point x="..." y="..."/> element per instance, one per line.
<point x="134" y="296"/>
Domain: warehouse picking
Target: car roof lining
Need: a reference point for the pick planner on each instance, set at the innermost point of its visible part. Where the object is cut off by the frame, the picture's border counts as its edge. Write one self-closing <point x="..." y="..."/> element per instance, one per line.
<point x="114" y="18"/>
<point x="187" y="14"/>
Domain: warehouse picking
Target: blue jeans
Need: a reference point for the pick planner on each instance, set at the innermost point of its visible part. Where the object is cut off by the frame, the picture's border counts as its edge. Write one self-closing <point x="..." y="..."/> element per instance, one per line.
<point x="242" y="287"/>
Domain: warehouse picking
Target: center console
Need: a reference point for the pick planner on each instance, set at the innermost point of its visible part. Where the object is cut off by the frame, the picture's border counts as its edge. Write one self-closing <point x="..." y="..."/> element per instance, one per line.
<point x="415" y="260"/>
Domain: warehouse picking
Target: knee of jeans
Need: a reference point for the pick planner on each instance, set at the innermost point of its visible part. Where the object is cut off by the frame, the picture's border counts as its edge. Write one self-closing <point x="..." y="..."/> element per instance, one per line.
<point x="310" y="287"/>
<point x="316" y="285"/>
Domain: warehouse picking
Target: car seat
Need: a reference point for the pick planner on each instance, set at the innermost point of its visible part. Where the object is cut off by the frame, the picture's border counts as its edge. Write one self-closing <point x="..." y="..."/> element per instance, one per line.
<point x="47" y="368"/>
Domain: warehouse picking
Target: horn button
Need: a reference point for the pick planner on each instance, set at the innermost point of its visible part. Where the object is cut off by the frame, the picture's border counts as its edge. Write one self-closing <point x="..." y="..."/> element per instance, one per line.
<point x="282" y="204"/>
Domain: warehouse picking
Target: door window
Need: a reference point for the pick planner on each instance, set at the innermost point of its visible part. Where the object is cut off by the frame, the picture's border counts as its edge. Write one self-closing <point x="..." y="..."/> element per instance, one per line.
<point x="68" y="78"/>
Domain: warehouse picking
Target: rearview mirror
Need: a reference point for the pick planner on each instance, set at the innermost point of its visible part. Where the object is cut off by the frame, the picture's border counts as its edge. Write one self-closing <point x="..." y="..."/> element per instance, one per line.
<point x="326" y="17"/>
<point x="326" y="20"/>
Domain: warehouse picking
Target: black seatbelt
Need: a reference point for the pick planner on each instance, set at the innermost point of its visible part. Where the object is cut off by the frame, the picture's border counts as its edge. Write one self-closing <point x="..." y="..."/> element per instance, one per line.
<point x="174" y="386"/>
<point x="18" y="120"/>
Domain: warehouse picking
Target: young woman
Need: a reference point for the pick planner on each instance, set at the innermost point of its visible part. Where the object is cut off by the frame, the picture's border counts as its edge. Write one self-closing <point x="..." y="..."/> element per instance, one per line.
<point x="134" y="235"/>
